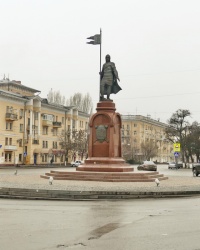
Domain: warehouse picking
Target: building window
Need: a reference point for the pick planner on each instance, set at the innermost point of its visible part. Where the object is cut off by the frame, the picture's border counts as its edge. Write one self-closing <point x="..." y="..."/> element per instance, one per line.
<point x="21" y="113"/>
<point x="128" y="127"/>
<point x="47" y="117"/>
<point x="9" y="125"/>
<point x="9" y="109"/>
<point x="45" y="144"/>
<point x="45" y="131"/>
<point x="21" y="128"/>
<point x="8" y="141"/>
<point x="135" y="125"/>
<point x="55" y="131"/>
<point x="35" y="130"/>
<point x="44" y="157"/>
<point x="73" y="123"/>
<point x="8" y="157"/>
<point x="55" y="144"/>
<point x="135" y="132"/>
<point x="20" y="157"/>
<point x="63" y="120"/>
<point x="36" y="115"/>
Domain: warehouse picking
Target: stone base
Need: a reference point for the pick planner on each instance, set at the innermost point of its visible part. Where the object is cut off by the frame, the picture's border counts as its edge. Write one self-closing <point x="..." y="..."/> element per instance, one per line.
<point x="104" y="168"/>
<point x="105" y="176"/>
<point x="105" y="164"/>
<point x="105" y="160"/>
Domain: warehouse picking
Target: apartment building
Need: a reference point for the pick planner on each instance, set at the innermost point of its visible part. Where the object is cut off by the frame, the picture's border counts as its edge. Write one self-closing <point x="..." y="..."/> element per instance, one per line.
<point x="137" y="129"/>
<point x="31" y="127"/>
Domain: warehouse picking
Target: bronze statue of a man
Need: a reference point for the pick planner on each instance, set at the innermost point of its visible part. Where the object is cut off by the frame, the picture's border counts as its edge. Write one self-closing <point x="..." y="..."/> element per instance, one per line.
<point x="109" y="77"/>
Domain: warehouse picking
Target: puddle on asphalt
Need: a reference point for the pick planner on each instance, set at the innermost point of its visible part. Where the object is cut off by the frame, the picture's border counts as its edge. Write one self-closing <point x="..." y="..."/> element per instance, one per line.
<point x="97" y="233"/>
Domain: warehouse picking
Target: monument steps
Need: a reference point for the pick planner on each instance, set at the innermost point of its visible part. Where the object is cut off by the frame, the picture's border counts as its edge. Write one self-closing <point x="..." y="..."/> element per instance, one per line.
<point x="105" y="168"/>
<point x="104" y="177"/>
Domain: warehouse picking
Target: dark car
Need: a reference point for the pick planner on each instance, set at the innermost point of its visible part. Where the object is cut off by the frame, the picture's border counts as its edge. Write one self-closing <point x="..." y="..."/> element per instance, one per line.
<point x="148" y="166"/>
<point x="196" y="169"/>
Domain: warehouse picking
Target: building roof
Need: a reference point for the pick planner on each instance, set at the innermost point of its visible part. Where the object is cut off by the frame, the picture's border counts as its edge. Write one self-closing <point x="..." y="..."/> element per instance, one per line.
<point x="11" y="94"/>
<point x="6" y="82"/>
<point x="142" y="118"/>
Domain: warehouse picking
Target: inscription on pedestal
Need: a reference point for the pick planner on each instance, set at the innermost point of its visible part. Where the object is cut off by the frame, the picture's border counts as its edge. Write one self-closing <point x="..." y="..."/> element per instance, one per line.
<point x="101" y="133"/>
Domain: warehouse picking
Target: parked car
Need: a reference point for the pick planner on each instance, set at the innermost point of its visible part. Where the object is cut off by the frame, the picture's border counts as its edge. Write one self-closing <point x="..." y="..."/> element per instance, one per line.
<point x="196" y="169"/>
<point x="180" y="164"/>
<point x="76" y="163"/>
<point x="148" y="166"/>
<point x="174" y="165"/>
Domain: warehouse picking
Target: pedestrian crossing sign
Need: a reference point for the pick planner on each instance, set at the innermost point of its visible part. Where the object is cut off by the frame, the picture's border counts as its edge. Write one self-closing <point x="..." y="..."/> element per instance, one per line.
<point x="177" y="147"/>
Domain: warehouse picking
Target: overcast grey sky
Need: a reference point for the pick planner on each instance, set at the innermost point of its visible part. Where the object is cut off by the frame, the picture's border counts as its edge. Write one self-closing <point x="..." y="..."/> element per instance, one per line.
<point x="155" y="45"/>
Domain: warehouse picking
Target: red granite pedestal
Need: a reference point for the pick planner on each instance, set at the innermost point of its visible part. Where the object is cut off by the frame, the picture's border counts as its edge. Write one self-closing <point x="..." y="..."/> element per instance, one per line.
<point x="105" y="152"/>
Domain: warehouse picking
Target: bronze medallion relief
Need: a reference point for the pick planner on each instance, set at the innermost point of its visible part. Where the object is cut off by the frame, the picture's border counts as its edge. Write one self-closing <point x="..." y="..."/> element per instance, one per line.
<point x="101" y="133"/>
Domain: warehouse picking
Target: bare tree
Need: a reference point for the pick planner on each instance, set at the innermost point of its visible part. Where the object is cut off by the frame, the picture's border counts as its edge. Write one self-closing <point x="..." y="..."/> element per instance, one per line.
<point x="87" y="104"/>
<point x="81" y="143"/>
<point x="82" y="102"/>
<point x="149" y="149"/>
<point x="74" y="142"/>
<point x="55" y="97"/>
<point x="50" y="97"/>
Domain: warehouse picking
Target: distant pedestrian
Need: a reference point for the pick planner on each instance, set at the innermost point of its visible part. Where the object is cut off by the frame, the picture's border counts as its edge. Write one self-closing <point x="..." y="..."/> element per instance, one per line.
<point x="51" y="161"/>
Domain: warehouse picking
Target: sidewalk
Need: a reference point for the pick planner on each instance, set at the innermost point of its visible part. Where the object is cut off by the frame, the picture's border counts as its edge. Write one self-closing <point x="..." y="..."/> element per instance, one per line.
<point x="31" y="186"/>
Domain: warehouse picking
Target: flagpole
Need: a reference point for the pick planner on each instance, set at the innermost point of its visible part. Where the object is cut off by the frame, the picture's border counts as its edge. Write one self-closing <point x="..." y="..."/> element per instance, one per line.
<point x="100" y="64"/>
<point x="96" y="39"/>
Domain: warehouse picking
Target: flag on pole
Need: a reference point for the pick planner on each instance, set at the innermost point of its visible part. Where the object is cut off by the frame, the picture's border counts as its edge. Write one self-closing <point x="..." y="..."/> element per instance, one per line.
<point x="96" y="39"/>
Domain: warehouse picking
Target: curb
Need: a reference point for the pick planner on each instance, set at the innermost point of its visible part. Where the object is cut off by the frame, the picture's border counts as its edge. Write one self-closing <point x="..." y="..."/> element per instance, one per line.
<point x="34" y="167"/>
<point x="43" y="194"/>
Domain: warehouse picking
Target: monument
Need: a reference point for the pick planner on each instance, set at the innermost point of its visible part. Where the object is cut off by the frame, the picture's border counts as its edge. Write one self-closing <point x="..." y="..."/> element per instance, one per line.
<point x="105" y="162"/>
<point x="104" y="151"/>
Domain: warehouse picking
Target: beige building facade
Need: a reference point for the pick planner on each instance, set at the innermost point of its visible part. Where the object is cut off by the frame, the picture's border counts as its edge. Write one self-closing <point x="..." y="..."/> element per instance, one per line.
<point x="31" y="127"/>
<point x="137" y="129"/>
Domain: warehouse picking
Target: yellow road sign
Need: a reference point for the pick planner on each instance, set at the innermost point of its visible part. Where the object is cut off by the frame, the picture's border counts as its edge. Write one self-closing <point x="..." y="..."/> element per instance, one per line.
<point x="177" y="147"/>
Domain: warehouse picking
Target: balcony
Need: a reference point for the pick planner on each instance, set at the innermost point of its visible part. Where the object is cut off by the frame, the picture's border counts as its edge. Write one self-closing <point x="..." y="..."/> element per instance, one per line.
<point x="57" y="124"/>
<point x="46" y="123"/>
<point x="10" y="148"/>
<point x="11" y="117"/>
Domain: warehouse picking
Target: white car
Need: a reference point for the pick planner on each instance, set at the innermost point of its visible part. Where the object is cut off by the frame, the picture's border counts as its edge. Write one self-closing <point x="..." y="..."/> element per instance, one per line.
<point x="76" y="163"/>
